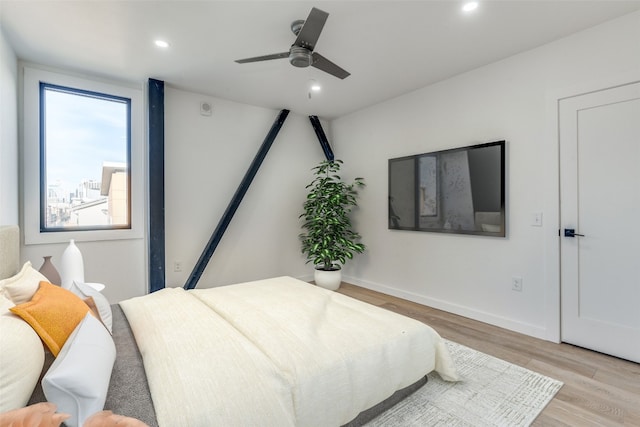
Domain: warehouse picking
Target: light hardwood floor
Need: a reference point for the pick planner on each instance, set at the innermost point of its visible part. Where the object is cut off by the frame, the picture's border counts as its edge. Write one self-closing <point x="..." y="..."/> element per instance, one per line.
<point x="599" y="390"/>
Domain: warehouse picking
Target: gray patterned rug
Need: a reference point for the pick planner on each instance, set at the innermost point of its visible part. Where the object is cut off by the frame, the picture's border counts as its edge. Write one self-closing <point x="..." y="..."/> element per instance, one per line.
<point x="492" y="392"/>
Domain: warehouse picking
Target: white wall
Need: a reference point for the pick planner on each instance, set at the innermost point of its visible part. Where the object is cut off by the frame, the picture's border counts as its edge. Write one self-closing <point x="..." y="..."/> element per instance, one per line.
<point x="8" y="133"/>
<point x="118" y="264"/>
<point x="471" y="275"/>
<point x="206" y="158"/>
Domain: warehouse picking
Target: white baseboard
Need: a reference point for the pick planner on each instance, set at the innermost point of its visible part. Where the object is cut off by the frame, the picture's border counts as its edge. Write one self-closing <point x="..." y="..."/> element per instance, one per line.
<point x="306" y="278"/>
<point x="503" y="322"/>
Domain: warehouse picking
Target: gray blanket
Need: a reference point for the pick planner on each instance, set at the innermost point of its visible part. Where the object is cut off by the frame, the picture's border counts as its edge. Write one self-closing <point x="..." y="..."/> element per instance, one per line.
<point x="128" y="393"/>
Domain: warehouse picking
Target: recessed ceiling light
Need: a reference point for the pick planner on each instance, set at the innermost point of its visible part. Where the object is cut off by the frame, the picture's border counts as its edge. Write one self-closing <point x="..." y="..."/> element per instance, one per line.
<point x="161" y="43"/>
<point x="470" y="6"/>
<point x="314" y="87"/>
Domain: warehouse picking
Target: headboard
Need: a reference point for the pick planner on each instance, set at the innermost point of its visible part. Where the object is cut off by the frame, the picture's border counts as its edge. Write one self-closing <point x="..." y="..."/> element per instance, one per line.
<point x="9" y="250"/>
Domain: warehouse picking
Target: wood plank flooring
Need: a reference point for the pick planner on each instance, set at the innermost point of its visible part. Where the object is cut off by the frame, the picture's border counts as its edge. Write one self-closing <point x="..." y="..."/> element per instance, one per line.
<point x="599" y="390"/>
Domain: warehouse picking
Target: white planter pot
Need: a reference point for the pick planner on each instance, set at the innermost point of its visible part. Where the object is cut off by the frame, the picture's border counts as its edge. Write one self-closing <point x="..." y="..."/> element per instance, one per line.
<point x="328" y="279"/>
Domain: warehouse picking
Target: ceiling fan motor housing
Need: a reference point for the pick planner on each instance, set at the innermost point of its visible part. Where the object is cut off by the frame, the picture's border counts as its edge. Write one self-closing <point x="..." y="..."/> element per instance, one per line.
<point x="300" y="57"/>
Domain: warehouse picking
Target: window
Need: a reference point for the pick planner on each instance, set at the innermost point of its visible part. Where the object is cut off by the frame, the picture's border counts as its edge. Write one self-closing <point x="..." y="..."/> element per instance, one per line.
<point x="83" y="159"/>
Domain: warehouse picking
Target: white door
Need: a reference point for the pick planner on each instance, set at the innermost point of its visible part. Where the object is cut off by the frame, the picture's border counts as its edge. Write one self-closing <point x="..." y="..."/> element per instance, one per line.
<point x="600" y="200"/>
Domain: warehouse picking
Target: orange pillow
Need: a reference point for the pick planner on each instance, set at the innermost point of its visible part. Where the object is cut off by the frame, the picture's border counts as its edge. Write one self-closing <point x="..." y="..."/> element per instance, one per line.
<point x="53" y="313"/>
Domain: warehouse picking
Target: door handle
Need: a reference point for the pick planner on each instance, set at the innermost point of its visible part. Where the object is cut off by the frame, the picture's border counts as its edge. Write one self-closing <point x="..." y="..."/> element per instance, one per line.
<point x="570" y="232"/>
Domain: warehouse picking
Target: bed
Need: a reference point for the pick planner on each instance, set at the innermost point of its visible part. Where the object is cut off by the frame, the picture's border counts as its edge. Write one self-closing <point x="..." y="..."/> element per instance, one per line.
<point x="272" y="352"/>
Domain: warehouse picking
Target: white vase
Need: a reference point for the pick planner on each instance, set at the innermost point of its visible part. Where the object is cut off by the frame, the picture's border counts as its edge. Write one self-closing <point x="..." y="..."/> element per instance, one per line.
<point x="328" y="279"/>
<point x="71" y="265"/>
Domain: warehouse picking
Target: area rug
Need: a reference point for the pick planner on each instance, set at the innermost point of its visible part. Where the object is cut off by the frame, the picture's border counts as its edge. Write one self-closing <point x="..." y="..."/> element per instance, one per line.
<point x="492" y="392"/>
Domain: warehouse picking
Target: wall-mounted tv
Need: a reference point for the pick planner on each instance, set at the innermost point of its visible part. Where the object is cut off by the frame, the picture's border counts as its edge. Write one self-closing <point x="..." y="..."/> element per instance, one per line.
<point x="461" y="190"/>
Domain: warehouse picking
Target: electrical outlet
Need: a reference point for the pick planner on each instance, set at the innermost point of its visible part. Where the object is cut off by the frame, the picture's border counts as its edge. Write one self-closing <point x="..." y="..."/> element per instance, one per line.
<point x="516" y="283"/>
<point x="177" y="266"/>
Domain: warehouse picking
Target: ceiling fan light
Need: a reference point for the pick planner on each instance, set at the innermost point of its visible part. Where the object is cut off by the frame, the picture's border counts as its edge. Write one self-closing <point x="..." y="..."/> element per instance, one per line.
<point x="300" y="57"/>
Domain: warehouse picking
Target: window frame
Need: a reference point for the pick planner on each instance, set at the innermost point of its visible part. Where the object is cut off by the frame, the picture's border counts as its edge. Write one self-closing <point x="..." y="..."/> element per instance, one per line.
<point x="33" y="178"/>
<point x="44" y="190"/>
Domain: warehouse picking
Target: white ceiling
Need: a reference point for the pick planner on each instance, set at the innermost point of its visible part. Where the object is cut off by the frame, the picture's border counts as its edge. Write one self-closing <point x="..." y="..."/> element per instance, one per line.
<point x="390" y="47"/>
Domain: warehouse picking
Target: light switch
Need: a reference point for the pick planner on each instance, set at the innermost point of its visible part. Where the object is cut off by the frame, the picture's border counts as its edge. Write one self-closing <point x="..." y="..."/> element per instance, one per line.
<point x="536" y="219"/>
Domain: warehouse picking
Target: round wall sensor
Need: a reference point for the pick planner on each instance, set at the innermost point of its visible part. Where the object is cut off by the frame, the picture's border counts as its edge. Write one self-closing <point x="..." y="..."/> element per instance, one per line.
<point x="205" y="108"/>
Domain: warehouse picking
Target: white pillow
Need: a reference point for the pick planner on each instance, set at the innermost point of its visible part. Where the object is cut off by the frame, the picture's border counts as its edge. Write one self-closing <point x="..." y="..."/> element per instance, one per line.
<point x="5" y="304"/>
<point x="21" y="287"/>
<point x="21" y="359"/>
<point x="84" y="291"/>
<point x="78" y="380"/>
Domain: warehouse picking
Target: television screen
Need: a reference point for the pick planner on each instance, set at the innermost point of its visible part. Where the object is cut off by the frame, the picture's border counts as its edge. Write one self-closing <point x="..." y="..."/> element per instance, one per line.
<point x="461" y="190"/>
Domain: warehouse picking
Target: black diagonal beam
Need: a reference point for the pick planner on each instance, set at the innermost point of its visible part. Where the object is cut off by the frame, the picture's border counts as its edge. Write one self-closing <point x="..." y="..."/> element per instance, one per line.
<point x="324" y="143"/>
<point x="235" y="202"/>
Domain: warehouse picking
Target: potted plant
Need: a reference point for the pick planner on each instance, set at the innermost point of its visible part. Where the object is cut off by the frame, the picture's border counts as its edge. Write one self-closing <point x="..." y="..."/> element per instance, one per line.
<point x="329" y="239"/>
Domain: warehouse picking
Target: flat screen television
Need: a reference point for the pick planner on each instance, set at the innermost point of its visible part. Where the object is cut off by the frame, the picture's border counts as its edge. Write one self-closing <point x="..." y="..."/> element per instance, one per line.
<point x="461" y="190"/>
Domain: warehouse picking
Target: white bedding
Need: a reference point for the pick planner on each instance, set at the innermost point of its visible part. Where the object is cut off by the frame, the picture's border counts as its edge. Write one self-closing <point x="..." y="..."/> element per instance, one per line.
<point x="275" y="352"/>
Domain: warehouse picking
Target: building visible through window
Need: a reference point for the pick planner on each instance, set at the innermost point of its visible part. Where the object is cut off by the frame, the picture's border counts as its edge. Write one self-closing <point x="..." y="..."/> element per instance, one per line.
<point x="85" y="146"/>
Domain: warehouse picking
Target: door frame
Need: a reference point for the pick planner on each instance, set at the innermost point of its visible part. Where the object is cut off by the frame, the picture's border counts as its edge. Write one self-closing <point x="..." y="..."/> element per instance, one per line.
<point x="551" y="182"/>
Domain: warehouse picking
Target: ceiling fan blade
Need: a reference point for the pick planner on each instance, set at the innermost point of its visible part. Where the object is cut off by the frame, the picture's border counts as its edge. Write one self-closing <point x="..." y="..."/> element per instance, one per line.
<point x="322" y="63"/>
<point x="308" y="35"/>
<point x="263" y="58"/>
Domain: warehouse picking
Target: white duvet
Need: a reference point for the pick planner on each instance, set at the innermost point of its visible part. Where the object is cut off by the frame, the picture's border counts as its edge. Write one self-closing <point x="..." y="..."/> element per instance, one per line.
<point x="276" y="352"/>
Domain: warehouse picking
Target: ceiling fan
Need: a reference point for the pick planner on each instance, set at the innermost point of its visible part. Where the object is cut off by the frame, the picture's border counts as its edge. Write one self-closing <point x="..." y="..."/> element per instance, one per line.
<point x="301" y="53"/>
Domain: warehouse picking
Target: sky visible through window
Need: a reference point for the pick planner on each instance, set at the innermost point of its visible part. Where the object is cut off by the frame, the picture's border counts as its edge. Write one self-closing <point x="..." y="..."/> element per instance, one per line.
<point x="82" y="133"/>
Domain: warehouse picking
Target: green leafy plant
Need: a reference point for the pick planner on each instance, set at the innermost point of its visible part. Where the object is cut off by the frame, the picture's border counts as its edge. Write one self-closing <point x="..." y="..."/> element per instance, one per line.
<point x="329" y="239"/>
